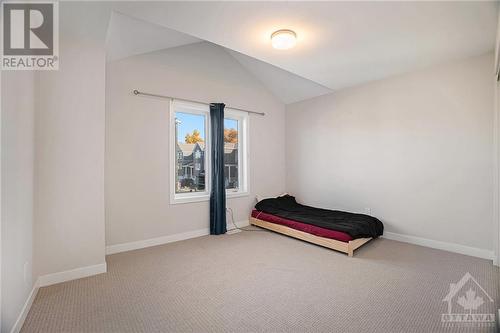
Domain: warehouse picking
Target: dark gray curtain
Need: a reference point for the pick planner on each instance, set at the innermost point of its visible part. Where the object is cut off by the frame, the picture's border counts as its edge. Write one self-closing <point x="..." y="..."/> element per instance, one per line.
<point x="218" y="193"/>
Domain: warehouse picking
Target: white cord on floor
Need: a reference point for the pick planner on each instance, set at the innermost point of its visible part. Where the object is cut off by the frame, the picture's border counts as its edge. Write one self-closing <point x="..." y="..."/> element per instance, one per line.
<point x="232" y="221"/>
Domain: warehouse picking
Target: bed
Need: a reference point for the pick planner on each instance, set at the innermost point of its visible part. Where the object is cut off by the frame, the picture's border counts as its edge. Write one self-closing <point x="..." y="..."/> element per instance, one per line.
<point x="337" y="230"/>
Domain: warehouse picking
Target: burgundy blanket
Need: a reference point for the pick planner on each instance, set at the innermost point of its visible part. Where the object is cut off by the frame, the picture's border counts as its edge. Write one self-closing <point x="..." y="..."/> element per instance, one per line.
<point x="310" y="229"/>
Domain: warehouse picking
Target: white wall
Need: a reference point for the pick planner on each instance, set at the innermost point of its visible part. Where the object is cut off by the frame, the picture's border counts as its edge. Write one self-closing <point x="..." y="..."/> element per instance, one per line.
<point x="69" y="136"/>
<point x="416" y="149"/>
<point x="496" y="177"/>
<point x="17" y="193"/>
<point x="137" y="138"/>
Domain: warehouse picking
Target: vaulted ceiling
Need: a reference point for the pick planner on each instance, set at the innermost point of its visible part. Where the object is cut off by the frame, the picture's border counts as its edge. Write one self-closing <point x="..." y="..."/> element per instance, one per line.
<point x="340" y="44"/>
<point x="128" y="36"/>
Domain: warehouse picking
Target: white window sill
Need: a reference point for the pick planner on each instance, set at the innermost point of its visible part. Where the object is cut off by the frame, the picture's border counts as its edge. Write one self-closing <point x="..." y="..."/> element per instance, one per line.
<point x="230" y="195"/>
<point x="205" y="197"/>
<point x="189" y="199"/>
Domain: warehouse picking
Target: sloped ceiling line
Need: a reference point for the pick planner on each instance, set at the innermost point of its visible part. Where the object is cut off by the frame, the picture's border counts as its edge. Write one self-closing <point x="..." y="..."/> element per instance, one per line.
<point x="128" y="36"/>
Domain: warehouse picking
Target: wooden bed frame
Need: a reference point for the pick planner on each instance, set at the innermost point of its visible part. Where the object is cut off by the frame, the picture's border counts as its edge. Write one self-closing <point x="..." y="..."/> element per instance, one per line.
<point x="346" y="247"/>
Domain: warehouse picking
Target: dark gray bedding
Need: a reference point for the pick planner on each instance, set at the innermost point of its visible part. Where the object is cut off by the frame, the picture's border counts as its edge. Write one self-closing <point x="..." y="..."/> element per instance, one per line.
<point x="356" y="225"/>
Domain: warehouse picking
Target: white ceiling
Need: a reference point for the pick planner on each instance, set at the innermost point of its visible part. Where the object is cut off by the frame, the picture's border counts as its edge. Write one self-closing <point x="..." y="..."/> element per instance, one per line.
<point x="340" y="43"/>
<point x="129" y="36"/>
<point x="288" y="87"/>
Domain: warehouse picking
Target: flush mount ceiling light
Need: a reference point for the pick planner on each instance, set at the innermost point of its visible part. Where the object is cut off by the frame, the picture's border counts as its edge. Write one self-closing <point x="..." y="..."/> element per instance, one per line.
<point x="283" y="39"/>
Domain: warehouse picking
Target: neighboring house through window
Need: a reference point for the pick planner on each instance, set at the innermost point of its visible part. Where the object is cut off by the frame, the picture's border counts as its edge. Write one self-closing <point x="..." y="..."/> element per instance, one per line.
<point x="190" y="152"/>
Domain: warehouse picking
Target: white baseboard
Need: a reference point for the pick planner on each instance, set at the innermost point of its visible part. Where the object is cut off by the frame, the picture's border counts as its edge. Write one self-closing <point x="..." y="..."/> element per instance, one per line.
<point x="124" y="247"/>
<point x="24" y="312"/>
<point x="451" y="247"/>
<point x="239" y="224"/>
<point x="77" y="273"/>
<point x="50" y="279"/>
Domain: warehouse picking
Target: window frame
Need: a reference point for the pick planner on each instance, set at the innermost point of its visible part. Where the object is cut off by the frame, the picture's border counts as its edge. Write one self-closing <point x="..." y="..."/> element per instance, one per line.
<point x="242" y="119"/>
<point x="243" y="152"/>
<point x="196" y="109"/>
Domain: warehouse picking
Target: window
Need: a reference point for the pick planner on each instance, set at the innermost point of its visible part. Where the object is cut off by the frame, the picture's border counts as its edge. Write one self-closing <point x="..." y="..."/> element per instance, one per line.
<point x="235" y="152"/>
<point x="190" y="152"/>
<point x="189" y="133"/>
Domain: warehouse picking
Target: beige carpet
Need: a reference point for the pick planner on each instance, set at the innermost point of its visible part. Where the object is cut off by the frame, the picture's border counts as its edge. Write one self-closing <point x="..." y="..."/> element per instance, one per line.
<point x="263" y="282"/>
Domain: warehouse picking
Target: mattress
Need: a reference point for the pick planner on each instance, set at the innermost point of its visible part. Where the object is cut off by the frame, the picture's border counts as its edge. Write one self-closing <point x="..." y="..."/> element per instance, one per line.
<point x="310" y="229"/>
<point x="354" y="224"/>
